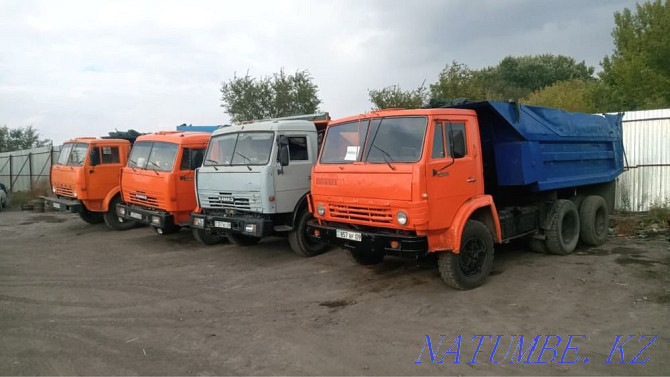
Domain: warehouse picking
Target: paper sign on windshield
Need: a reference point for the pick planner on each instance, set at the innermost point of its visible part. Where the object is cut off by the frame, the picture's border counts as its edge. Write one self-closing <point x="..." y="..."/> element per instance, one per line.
<point x="352" y="153"/>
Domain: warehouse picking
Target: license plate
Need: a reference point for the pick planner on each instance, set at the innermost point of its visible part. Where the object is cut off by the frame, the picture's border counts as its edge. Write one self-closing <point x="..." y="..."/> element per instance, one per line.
<point x="222" y="224"/>
<point x="136" y="215"/>
<point x="56" y="205"/>
<point x="344" y="234"/>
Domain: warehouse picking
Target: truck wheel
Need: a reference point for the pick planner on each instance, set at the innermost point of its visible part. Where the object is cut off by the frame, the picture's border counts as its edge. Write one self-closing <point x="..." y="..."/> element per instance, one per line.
<point x="538" y="246"/>
<point x="206" y="238"/>
<point x="300" y="242"/>
<point x="593" y="219"/>
<point x="91" y="217"/>
<point x="469" y="268"/>
<point x="243" y="240"/>
<point x="113" y="220"/>
<point x="365" y="259"/>
<point x="563" y="233"/>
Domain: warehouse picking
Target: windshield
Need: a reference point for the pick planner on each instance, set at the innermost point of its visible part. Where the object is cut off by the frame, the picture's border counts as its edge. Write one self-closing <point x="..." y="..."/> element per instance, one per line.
<point x="392" y="139"/>
<point x="153" y="156"/>
<point x="240" y="148"/>
<point x="72" y="154"/>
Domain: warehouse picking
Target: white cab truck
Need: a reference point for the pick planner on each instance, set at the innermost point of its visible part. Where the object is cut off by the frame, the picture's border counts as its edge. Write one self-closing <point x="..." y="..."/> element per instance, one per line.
<point x="255" y="179"/>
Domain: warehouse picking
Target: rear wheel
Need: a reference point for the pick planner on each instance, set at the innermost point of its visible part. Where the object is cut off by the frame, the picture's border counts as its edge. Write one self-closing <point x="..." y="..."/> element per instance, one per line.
<point x="538" y="246"/>
<point x="243" y="240"/>
<point x="593" y="219"/>
<point x="206" y="237"/>
<point x="472" y="265"/>
<point x="563" y="233"/>
<point x="300" y="241"/>
<point x="113" y="220"/>
<point x="365" y="259"/>
<point x="91" y="217"/>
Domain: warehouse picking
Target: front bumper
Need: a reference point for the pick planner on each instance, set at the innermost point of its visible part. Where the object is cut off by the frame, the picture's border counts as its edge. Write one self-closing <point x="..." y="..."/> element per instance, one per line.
<point x="246" y="225"/>
<point x="142" y="215"/>
<point x="371" y="242"/>
<point x="65" y="205"/>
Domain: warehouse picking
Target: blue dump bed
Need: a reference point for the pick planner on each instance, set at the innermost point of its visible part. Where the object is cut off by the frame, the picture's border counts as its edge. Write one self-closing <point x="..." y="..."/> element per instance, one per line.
<point x="190" y="128"/>
<point x="545" y="149"/>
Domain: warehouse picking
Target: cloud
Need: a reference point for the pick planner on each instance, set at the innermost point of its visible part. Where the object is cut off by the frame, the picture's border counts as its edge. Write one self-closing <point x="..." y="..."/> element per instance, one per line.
<point x="75" y="68"/>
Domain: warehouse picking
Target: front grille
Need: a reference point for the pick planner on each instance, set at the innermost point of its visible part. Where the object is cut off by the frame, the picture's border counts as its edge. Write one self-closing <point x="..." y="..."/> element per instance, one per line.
<point x="64" y="191"/>
<point x="361" y="213"/>
<point x="143" y="199"/>
<point x="226" y="200"/>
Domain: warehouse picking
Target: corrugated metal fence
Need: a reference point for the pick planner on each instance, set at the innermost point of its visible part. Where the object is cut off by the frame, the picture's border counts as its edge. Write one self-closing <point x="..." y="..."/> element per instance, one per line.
<point x="27" y="169"/>
<point x="646" y="140"/>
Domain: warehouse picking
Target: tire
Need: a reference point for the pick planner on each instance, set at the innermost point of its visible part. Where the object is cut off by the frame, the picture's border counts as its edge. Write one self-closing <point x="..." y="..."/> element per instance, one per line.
<point x="563" y="232"/>
<point x="242" y="240"/>
<point x="365" y="259"/>
<point x="593" y="220"/>
<point x="537" y="246"/>
<point x="472" y="265"/>
<point x="91" y="217"/>
<point x="206" y="238"/>
<point x="115" y="222"/>
<point x="300" y="242"/>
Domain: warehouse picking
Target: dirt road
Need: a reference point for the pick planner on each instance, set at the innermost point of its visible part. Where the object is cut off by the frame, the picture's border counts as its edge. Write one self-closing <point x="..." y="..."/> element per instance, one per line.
<point x="81" y="299"/>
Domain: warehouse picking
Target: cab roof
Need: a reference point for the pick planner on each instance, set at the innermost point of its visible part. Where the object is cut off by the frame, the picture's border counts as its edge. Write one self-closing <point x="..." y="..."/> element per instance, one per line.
<point x="95" y="140"/>
<point x="176" y="137"/>
<point x="269" y="125"/>
<point x="406" y="112"/>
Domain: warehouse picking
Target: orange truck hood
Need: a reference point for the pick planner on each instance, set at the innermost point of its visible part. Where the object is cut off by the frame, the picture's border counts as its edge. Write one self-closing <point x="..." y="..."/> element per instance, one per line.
<point x="152" y="188"/>
<point x="66" y="179"/>
<point x="364" y="181"/>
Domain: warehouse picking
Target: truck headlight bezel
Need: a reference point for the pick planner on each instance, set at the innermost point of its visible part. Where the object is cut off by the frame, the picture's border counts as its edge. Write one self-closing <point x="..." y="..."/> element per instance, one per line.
<point x="402" y="218"/>
<point x="320" y="209"/>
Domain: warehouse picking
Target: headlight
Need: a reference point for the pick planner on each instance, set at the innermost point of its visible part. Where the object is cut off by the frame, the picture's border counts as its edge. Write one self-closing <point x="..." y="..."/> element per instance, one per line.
<point x="320" y="209"/>
<point x="199" y="222"/>
<point x="155" y="220"/>
<point x="53" y="189"/>
<point x="75" y="194"/>
<point x="121" y="211"/>
<point x="402" y="218"/>
<point x="250" y="228"/>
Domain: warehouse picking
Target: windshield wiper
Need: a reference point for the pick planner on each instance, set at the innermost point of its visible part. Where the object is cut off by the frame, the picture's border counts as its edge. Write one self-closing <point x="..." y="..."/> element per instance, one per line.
<point x="156" y="165"/>
<point x="387" y="157"/>
<point x="134" y="162"/>
<point x="244" y="157"/>
<point x="214" y="163"/>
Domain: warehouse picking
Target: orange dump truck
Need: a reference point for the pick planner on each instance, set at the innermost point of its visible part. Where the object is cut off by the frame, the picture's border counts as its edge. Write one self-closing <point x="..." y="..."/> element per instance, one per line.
<point x="85" y="179"/>
<point x="454" y="181"/>
<point x="158" y="183"/>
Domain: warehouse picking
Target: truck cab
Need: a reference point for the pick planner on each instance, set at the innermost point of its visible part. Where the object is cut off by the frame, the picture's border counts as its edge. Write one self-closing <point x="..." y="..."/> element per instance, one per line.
<point x="85" y="179"/>
<point x="454" y="181"/>
<point x="254" y="181"/>
<point x="158" y="182"/>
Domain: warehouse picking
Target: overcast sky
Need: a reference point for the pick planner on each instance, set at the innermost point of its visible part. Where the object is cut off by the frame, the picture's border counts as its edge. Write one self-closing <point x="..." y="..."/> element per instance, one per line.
<point x="83" y="68"/>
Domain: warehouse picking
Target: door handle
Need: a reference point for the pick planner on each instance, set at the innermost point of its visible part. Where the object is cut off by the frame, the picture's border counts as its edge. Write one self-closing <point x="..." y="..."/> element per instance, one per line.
<point x="471" y="180"/>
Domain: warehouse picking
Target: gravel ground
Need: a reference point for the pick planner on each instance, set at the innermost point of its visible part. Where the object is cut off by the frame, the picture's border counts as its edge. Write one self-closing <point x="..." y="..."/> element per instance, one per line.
<point x="81" y="299"/>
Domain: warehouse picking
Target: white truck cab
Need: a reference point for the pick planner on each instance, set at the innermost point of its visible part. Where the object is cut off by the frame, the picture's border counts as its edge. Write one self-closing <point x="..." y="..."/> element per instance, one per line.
<point x="255" y="179"/>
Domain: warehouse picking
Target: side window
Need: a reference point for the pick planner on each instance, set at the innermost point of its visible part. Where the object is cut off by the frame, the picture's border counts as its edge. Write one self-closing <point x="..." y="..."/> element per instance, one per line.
<point x="297" y="148"/>
<point x="185" y="160"/>
<point x="110" y="155"/>
<point x="197" y="155"/>
<point x="438" y="141"/>
<point x="457" y="140"/>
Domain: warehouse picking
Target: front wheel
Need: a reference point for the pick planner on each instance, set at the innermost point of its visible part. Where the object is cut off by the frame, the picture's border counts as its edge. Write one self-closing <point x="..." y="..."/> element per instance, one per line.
<point x="113" y="220"/>
<point x="471" y="266"/>
<point x="91" y="217"/>
<point x="206" y="237"/>
<point x="300" y="241"/>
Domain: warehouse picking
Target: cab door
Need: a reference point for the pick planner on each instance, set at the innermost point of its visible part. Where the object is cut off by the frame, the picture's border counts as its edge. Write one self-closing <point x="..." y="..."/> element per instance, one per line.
<point x="453" y="169"/>
<point x="104" y="176"/>
<point x="191" y="158"/>
<point x="294" y="180"/>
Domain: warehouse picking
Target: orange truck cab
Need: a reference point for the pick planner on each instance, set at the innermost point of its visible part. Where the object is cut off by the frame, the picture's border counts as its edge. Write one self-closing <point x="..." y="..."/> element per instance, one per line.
<point x="85" y="179"/>
<point x="456" y="180"/>
<point x="158" y="184"/>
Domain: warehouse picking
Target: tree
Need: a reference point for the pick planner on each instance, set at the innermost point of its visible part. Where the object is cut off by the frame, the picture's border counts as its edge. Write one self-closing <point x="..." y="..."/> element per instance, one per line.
<point x="456" y="80"/>
<point x="14" y="139"/>
<point x="637" y="74"/>
<point x="570" y="95"/>
<point x="246" y="98"/>
<point x="394" y="96"/>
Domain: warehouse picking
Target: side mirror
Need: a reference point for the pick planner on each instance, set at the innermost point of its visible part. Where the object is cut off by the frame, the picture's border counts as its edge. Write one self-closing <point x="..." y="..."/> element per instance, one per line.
<point x="283" y="155"/>
<point x="94" y="157"/>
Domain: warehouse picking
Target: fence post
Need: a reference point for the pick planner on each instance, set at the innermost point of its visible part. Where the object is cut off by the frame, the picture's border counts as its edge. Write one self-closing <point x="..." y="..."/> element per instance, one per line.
<point x="11" y="182"/>
<point x="30" y="169"/>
